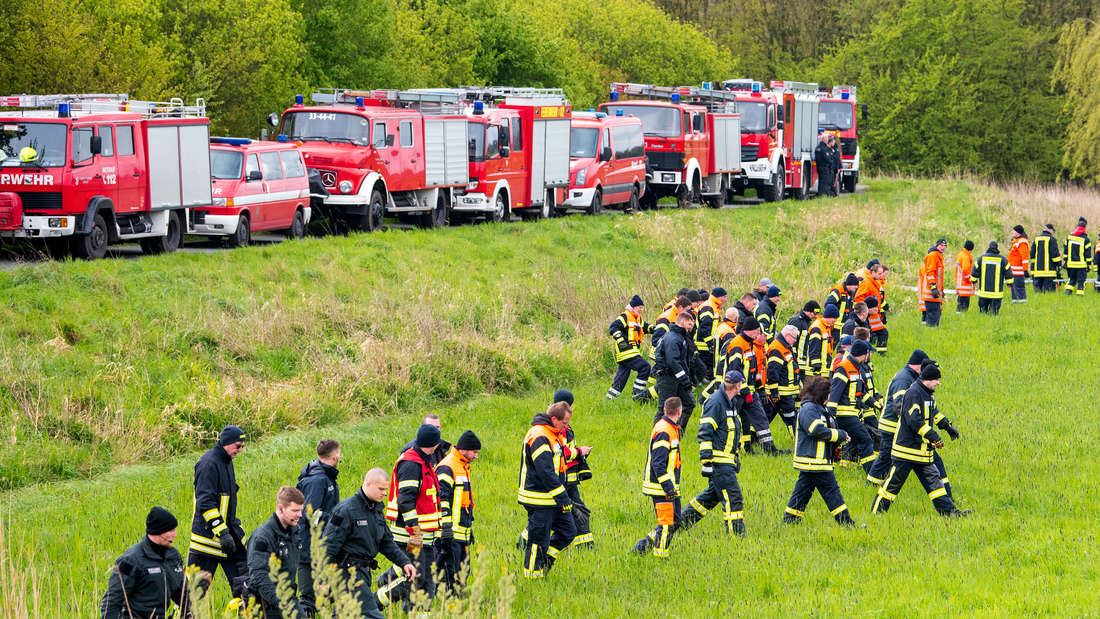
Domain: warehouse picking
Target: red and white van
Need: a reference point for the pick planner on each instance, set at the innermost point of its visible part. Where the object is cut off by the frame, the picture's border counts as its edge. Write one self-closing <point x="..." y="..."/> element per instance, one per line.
<point x="256" y="186"/>
<point x="606" y="162"/>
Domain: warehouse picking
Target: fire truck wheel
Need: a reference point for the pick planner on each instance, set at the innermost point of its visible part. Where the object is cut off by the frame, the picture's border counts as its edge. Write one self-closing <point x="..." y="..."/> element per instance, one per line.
<point x="168" y="243"/>
<point x="243" y="235"/>
<point x="597" y="203"/>
<point x="500" y="208"/>
<point x="298" y="226"/>
<point x="803" y="192"/>
<point x="92" y="246"/>
<point x="716" y="201"/>
<point x="372" y="220"/>
<point x="849" y="184"/>
<point x="437" y="217"/>
<point x="775" y="191"/>
<point x="635" y="203"/>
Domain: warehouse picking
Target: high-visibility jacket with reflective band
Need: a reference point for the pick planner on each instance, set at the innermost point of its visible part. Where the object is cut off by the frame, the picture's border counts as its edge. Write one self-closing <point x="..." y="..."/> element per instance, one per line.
<point x="915" y="434"/>
<point x="895" y="392"/>
<point x="1045" y="257"/>
<point x="765" y="315"/>
<point x="740" y="356"/>
<point x="576" y="465"/>
<point x="215" y="501"/>
<point x="964" y="266"/>
<point x="414" y="497"/>
<point x="814" y="439"/>
<point x="992" y="273"/>
<point x="627" y="330"/>
<point x="846" y="389"/>
<point x="803" y="324"/>
<point x="819" y="348"/>
<point x="662" y="463"/>
<point x="872" y="400"/>
<point x="868" y="287"/>
<point x="722" y="337"/>
<point x="707" y="316"/>
<point x="838" y="296"/>
<point x="661" y="327"/>
<point x="719" y="430"/>
<point x="1078" y="251"/>
<point x="456" y="495"/>
<point x="931" y="276"/>
<point x="542" y="468"/>
<point x="782" y="369"/>
<point x="760" y="352"/>
<point x="1019" y="256"/>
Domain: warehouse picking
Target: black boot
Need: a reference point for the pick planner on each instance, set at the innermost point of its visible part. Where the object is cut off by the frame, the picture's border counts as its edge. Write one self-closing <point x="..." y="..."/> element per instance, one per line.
<point x="791" y="519"/>
<point x="737" y="527"/>
<point x="958" y="513"/>
<point x="769" y="448"/>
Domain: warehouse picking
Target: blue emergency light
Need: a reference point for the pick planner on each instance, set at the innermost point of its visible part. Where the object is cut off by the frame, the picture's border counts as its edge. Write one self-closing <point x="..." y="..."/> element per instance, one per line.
<point x="756" y="87"/>
<point x="359" y="101"/>
<point x="230" y="141"/>
<point x="282" y="137"/>
<point x="299" y="100"/>
<point x="618" y="112"/>
<point x="706" y="86"/>
<point x="479" y="107"/>
<point x="614" y="96"/>
<point x="63" y="110"/>
<point x="675" y="97"/>
<point x="844" y="95"/>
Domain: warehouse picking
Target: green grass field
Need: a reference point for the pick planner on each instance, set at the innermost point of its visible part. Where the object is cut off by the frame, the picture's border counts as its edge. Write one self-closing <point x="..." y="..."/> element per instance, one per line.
<point x="480" y="324"/>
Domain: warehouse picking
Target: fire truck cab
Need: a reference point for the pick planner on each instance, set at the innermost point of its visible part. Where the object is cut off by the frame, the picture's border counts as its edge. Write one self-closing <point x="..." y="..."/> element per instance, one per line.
<point x="381" y="152"/>
<point x="691" y="140"/>
<point x="798" y="134"/>
<point x="607" y="162"/>
<point x="81" y="172"/>
<point x="838" y="114"/>
<point x="257" y="186"/>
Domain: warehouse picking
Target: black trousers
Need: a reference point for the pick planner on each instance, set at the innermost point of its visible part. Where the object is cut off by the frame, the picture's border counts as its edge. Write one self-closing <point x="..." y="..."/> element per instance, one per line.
<point x="881" y="467"/>
<point x="1019" y="290"/>
<point x="932" y="310"/>
<point x="669" y="387"/>
<point x="306" y="595"/>
<point x="394" y="586"/>
<point x="451" y="563"/>
<point x="754" y="417"/>
<point x="660" y="538"/>
<point x="1076" y="279"/>
<point x="826" y="182"/>
<point x="879" y="340"/>
<point x="989" y="306"/>
<point x="622" y="375"/>
<point x="862" y="443"/>
<point x="1043" y="284"/>
<point x="582" y="516"/>
<point x="787" y="410"/>
<point x="368" y="600"/>
<point x="235" y="567"/>
<point x="824" y="482"/>
<point x="722" y="487"/>
<point x="962" y="304"/>
<point x="542" y="547"/>
<point x="929" y="477"/>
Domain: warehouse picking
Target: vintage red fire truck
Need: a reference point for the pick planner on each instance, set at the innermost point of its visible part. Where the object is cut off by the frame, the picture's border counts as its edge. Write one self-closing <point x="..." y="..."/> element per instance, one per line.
<point x="382" y="152"/>
<point x="607" y="162"/>
<point x="257" y="186"/>
<point x="838" y="114"/>
<point x="81" y="172"/>
<point x="692" y="140"/>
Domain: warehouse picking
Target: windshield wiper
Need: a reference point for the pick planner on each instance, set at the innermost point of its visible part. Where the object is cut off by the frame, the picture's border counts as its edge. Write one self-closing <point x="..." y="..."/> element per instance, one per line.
<point x="317" y="138"/>
<point x="828" y="126"/>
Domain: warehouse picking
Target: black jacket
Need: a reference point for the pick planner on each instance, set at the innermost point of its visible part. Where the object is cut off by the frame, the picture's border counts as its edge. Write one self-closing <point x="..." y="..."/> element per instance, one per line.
<point x="150" y="578"/>
<point x="317" y="481"/>
<point x="765" y="314"/>
<point x="742" y="314"/>
<point x="802" y="323"/>
<point x="991" y="275"/>
<point x="674" y="355"/>
<point x="357" y="531"/>
<point x="850" y="325"/>
<point x="916" y="434"/>
<point x="823" y="156"/>
<point x="720" y="430"/>
<point x="816" y="436"/>
<point x="901" y="382"/>
<point x="270" y="538"/>
<point x="215" y="502"/>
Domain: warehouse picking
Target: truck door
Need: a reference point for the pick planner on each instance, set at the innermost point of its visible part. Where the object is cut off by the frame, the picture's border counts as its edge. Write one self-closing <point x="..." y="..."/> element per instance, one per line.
<point x="272" y="166"/>
<point x="382" y="141"/>
<point x="131" y="173"/>
<point x="88" y="173"/>
<point x="407" y="161"/>
<point x="513" y="168"/>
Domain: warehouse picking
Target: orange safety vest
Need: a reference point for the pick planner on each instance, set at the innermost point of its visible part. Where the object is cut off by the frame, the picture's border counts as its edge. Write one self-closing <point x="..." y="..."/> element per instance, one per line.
<point x="634" y="327"/>
<point x="761" y="362"/>
<point x="931" y="277"/>
<point x="1019" y="256"/>
<point x="964" y="266"/>
<point x="867" y="288"/>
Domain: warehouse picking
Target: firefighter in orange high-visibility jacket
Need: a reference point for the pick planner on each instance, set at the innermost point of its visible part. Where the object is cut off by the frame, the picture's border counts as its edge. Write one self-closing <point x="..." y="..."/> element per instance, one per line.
<point x="661" y="479"/>
<point x="542" y="478"/>
<point x="816" y="440"/>
<point x="456" y="505"/>
<point x="1019" y="260"/>
<point x="964" y="285"/>
<point x="627" y="330"/>
<point x="930" y="284"/>
<point x="412" y="513"/>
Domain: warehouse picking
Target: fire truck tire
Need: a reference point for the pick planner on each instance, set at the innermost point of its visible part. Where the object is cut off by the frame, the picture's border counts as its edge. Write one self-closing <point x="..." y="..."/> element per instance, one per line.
<point x="803" y="192"/>
<point x="92" y="246"/>
<point x="298" y="226"/>
<point x="168" y="243"/>
<point x="715" y="201"/>
<point x="372" y="219"/>
<point x="437" y="217"/>
<point x="597" y="203"/>
<point x="635" y="203"/>
<point x="500" y="208"/>
<point x="243" y="236"/>
<point x="774" y="192"/>
<point x="849" y="183"/>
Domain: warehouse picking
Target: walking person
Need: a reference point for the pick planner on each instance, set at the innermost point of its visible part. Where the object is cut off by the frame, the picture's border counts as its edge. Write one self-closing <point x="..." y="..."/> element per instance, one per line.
<point x="661" y="479"/>
<point x="147" y="581"/>
<point x="318" y="485"/>
<point x="931" y="284"/>
<point x="673" y="366"/>
<point x="217" y="538"/>
<point x="627" y="330"/>
<point x="277" y="536"/>
<point x="456" y="503"/>
<point x="964" y="284"/>
<point x="542" y="490"/>
<point x="719" y="441"/>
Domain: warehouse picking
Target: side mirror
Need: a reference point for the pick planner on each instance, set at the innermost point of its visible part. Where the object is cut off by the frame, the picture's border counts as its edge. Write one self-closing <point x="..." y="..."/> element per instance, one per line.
<point x="863" y="109"/>
<point x="505" y="150"/>
<point x="273" y="119"/>
<point x="505" y="138"/>
<point x="389" y="139"/>
<point x="96" y="145"/>
<point x="605" y="154"/>
<point x="779" y="125"/>
<point x="255" y="175"/>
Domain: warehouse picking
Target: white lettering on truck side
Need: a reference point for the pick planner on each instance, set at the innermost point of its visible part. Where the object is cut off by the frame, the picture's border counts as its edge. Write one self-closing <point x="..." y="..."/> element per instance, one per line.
<point x="26" y="179"/>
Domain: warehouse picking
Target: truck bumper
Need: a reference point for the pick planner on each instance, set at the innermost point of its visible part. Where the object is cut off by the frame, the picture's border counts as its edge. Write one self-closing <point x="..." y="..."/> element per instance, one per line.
<point x="666" y="177"/>
<point x="43" y="227"/>
<point x="579" y="197"/>
<point x="216" y="225"/>
<point x="759" y="170"/>
<point x="473" y="202"/>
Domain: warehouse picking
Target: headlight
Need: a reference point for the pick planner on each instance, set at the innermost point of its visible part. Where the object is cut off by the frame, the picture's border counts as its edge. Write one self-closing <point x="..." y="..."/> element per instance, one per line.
<point x="219" y="201"/>
<point x="345" y="186"/>
<point x="581" y="176"/>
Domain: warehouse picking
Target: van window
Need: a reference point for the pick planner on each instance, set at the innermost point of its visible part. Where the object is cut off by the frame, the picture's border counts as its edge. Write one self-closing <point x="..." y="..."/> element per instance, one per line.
<point x="687" y="122"/>
<point x="517" y="135"/>
<point x="607" y="143"/>
<point x="406" y="131"/>
<point x="107" y="137"/>
<point x="628" y="140"/>
<point x="379" y="139"/>
<point x="292" y="163"/>
<point x="492" y="139"/>
<point x="125" y="134"/>
<point x="253" y="164"/>
<point x="273" y="169"/>
<point x="82" y="144"/>
<point x="622" y="145"/>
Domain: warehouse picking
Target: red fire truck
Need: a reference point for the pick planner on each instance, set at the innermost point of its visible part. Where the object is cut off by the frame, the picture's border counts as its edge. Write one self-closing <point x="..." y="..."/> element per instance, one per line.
<point x="83" y="171"/>
<point x="692" y="140"/>
<point x="798" y="112"/>
<point x="382" y="152"/>
<point x="838" y="114"/>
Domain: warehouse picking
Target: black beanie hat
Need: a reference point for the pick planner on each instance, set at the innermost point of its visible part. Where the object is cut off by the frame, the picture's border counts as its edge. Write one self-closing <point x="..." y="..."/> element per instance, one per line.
<point x="635" y="301"/>
<point x="968" y="245"/>
<point x="749" y="324"/>
<point x="993" y="246"/>
<point x="427" y="436"/>
<point x="811" y="306"/>
<point x="860" y="348"/>
<point x="851" y="280"/>
<point x="694" y="296"/>
<point x="917" y="357"/>
<point x="831" y="311"/>
<point x="872" y="263"/>
<point x="930" y="371"/>
<point x="1050" y="227"/>
<point x="230" y="435"/>
<point x="563" y="395"/>
<point x="704" y="294"/>
<point x="871" y="301"/>
<point x="718" y="292"/>
<point x="1081" y="221"/>
<point x="1018" y="229"/>
<point x="469" y="441"/>
<point x="159" y="521"/>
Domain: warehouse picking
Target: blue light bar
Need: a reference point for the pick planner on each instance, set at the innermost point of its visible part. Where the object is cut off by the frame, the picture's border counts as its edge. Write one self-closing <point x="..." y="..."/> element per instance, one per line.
<point x="706" y="85"/>
<point x="618" y="112"/>
<point x="479" y="107"/>
<point x="614" y="96"/>
<point x="844" y="95"/>
<point x="282" y="137"/>
<point x="359" y="101"/>
<point x="756" y="86"/>
<point x="299" y="100"/>
<point x="675" y="97"/>
<point x="231" y="141"/>
<point x="63" y="110"/>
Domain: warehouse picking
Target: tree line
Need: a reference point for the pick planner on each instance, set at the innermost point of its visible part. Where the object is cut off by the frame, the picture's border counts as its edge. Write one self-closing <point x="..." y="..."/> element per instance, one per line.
<point x="1004" y="88"/>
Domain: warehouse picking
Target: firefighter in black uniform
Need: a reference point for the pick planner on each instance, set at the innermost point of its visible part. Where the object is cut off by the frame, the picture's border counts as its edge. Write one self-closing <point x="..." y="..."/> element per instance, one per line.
<point x="826" y="175"/>
<point x="147" y="580"/>
<point x="765" y="312"/>
<point x="914" y="445"/>
<point x="550" y="524"/>
<point x="784" y="377"/>
<point x="456" y="502"/>
<point x="846" y="401"/>
<point x="357" y="531"/>
<point x="1046" y="260"/>
<point x="991" y="273"/>
<point x="278" y="536"/>
<point x="816" y="440"/>
<point x="576" y="471"/>
<point x="746" y="308"/>
<point x="719" y="441"/>
<point x="216" y="534"/>
<point x="661" y="479"/>
<point x="856" y="318"/>
<point x="627" y="330"/>
<point x="708" y="317"/>
<point x="741" y="357"/>
<point x="673" y="367"/>
<point x="802" y="321"/>
<point x="1078" y="254"/>
<point x="317" y="481"/>
<point x="434" y="458"/>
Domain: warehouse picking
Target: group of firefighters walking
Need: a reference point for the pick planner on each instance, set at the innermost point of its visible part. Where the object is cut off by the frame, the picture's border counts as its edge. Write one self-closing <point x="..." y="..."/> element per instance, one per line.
<point x="990" y="275"/>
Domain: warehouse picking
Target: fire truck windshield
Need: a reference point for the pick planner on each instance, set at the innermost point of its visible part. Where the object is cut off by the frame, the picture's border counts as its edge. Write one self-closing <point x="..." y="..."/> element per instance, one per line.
<point x="658" y="121"/>
<point x="754" y="116"/>
<point x="32" y="144"/>
<point x="835" y="115"/>
<point x="327" y="127"/>
<point x="226" y="164"/>
<point x="582" y="143"/>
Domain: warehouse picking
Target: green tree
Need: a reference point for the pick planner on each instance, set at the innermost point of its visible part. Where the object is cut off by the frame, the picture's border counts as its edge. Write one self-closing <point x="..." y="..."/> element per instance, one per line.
<point x="1078" y="71"/>
<point x="348" y="43"/>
